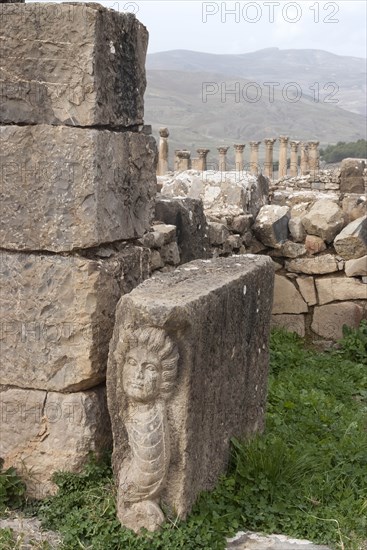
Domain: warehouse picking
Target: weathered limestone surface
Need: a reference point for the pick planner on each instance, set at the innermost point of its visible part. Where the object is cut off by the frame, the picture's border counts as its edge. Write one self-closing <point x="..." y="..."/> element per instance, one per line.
<point x="306" y="286"/>
<point x="351" y="176"/>
<point x="356" y="268"/>
<point x="223" y="193"/>
<point x="314" y="244"/>
<point x="354" y="206"/>
<point x="187" y="371"/>
<point x="328" y="320"/>
<point x="292" y="323"/>
<point x="44" y="432"/>
<point x="326" y="263"/>
<point x="256" y="541"/>
<point x="271" y="225"/>
<point x="57" y="317"/>
<point x="297" y="230"/>
<point x="73" y="187"/>
<point x="218" y="233"/>
<point x="287" y="298"/>
<point x="72" y="64"/>
<point x="188" y="217"/>
<point x="352" y="241"/>
<point x="325" y="219"/>
<point x="330" y="289"/>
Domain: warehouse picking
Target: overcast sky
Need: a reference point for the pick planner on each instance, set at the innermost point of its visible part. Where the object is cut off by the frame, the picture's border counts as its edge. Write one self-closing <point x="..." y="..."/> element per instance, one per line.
<point x="338" y="27"/>
<point x="245" y="26"/>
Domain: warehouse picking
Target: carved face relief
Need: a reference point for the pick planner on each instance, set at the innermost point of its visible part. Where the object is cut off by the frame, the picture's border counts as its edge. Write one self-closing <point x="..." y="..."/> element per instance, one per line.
<point x="142" y="375"/>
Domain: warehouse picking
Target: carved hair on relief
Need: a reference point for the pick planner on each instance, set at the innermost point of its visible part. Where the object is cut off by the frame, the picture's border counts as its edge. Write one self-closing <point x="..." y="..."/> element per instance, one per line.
<point x="147" y="368"/>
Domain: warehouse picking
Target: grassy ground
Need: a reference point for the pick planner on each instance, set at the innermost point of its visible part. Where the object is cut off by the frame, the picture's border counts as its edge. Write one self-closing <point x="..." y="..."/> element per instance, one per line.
<point x="306" y="476"/>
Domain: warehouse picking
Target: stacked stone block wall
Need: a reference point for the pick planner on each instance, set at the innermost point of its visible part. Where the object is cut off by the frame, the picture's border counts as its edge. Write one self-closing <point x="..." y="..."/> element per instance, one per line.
<point x="77" y="192"/>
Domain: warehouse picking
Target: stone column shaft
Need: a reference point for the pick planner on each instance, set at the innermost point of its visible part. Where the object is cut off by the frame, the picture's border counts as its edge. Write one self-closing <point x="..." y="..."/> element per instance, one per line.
<point x="162" y="168"/>
<point x="313" y="156"/>
<point x="254" y="157"/>
<point x="294" y="158"/>
<point x="305" y="169"/>
<point x="268" y="165"/>
<point x="283" y="150"/>
<point x="239" y="156"/>
<point x="222" y="161"/>
<point x="183" y="160"/>
<point x="202" y="163"/>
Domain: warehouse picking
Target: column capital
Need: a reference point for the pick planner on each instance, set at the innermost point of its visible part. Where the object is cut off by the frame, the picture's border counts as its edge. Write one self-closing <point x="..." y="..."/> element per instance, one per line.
<point x="269" y="141"/>
<point x="163" y="132"/>
<point x="255" y="144"/>
<point x="202" y="152"/>
<point x="239" y="147"/>
<point x="294" y="145"/>
<point x="313" y="144"/>
<point x="304" y="145"/>
<point x="222" y="150"/>
<point x="284" y="139"/>
<point x="183" y="154"/>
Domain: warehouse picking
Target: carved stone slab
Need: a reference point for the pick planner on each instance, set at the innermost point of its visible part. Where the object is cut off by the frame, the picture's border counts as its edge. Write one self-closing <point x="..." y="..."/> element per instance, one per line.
<point x="187" y="370"/>
<point x="73" y="64"/>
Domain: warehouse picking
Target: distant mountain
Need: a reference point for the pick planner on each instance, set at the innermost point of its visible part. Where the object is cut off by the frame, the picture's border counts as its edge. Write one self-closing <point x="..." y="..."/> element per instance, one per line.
<point x="305" y="67"/>
<point x="189" y="92"/>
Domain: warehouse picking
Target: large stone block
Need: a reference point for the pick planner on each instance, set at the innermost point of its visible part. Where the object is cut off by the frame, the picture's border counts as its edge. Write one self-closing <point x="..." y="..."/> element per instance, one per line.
<point x="356" y="268"/>
<point x="73" y="64"/>
<point x="67" y="188"/>
<point x="187" y="371"/>
<point x="351" y="176"/>
<point x="287" y="298"/>
<point x="44" y="432"/>
<point x="318" y="265"/>
<point x="291" y="323"/>
<point x="330" y="289"/>
<point x="57" y="316"/>
<point x="188" y="217"/>
<point x="271" y="225"/>
<point x="352" y="241"/>
<point x="325" y="219"/>
<point x="328" y="320"/>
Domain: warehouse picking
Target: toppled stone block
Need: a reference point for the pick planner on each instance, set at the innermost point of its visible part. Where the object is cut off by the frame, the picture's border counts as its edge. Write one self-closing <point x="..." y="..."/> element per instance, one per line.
<point x="170" y="254"/>
<point x="271" y="225"/>
<point x="287" y="298"/>
<point x="318" y="265"/>
<point x="291" y="323"/>
<point x="218" y="233"/>
<point x="45" y="432"/>
<point x="57" y="316"/>
<point x="354" y="206"/>
<point x="74" y="187"/>
<point x="178" y="389"/>
<point x="242" y="223"/>
<point x="328" y="320"/>
<point x="351" y="176"/>
<point x="352" y="241"/>
<point x="307" y="289"/>
<point x="356" y="268"/>
<point x="314" y="244"/>
<point x="292" y="250"/>
<point x="168" y="232"/>
<point x="325" y="219"/>
<point x="72" y="64"/>
<point x="297" y="230"/>
<point x="330" y="289"/>
<point x="229" y="192"/>
<point x="156" y="261"/>
<point x="190" y="221"/>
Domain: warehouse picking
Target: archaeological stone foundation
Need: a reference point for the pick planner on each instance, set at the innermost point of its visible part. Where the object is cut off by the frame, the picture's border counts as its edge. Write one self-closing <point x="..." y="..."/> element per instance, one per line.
<point x="163" y="283"/>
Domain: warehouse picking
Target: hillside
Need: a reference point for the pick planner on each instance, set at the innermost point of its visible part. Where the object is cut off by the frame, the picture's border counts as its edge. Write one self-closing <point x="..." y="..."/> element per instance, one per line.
<point x="175" y="99"/>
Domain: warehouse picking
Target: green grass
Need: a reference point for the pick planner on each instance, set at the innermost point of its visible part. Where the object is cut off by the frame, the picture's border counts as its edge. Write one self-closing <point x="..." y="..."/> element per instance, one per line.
<point x="306" y="476"/>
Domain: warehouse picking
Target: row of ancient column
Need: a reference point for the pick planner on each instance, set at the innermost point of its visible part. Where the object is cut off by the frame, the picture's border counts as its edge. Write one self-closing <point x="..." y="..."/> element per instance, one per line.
<point x="309" y="161"/>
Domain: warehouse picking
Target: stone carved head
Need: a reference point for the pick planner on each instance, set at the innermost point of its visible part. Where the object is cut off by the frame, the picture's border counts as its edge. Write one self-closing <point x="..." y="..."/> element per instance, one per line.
<point x="147" y="360"/>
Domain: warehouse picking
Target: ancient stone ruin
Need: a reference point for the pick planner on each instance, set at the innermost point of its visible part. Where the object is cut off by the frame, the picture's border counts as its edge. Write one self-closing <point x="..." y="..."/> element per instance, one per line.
<point x="175" y="396"/>
<point x="168" y="292"/>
